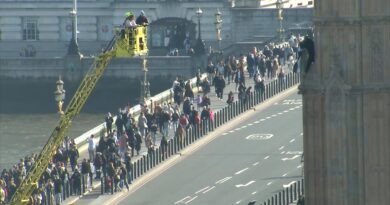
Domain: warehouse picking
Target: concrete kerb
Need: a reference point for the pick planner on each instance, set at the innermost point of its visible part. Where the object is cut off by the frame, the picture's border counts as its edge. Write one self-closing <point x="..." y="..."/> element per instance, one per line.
<point x="187" y="151"/>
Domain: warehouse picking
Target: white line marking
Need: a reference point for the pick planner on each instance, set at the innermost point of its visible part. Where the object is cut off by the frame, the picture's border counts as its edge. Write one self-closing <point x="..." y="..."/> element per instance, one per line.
<point x="253" y="193"/>
<point x="244" y="185"/>
<point x="268" y="117"/>
<point x="274" y="115"/>
<point x="286" y="111"/>
<point x="288" y="185"/>
<point x="280" y="113"/>
<point x="284" y="175"/>
<point x="208" y="189"/>
<point x="299" y="166"/>
<point x="181" y="200"/>
<point x="301" y="134"/>
<point x="257" y="122"/>
<point x="292" y="158"/>
<point x="262" y="119"/>
<point x="241" y="171"/>
<point x="223" y="180"/>
<point x="238" y="202"/>
<point x="256" y="163"/>
<point x="202" y="190"/>
<point x="269" y="183"/>
<point x="282" y="147"/>
<point x="231" y="131"/>
<point x="291" y="141"/>
<point x="237" y="129"/>
<point x="244" y="126"/>
<point x="283" y="152"/>
<point x="250" y="124"/>
<point x="266" y="157"/>
<point x="292" y="109"/>
<point x="225" y="133"/>
<point x="191" y="199"/>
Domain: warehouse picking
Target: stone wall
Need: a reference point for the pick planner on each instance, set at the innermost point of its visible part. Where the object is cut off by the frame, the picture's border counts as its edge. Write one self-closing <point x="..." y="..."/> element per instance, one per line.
<point x="125" y="68"/>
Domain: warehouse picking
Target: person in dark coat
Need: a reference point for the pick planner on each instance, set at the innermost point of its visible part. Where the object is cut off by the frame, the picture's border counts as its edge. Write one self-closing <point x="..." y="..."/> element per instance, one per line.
<point x="109" y="120"/>
<point x="141" y="19"/>
<point x="76" y="179"/>
<point x="219" y="86"/>
<point x="138" y="141"/>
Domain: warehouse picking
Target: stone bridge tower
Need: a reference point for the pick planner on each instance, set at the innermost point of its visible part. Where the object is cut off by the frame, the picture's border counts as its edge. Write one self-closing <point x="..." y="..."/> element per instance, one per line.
<point x="346" y="108"/>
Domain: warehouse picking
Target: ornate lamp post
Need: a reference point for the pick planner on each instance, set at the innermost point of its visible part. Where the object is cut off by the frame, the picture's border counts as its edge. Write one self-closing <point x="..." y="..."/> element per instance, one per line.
<point x="199" y="48"/>
<point x="218" y="27"/>
<point x="279" y="6"/>
<point x="73" y="48"/>
<point x="59" y="95"/>
<point x="145" y="86"/>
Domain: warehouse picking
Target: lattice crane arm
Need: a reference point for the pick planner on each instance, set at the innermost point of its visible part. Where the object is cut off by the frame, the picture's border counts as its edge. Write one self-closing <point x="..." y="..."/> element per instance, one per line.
<point x="29" y="184"/>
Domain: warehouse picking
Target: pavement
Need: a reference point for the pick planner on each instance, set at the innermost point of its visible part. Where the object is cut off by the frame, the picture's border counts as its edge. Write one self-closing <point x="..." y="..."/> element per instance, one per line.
<point x="251" y="159"/>
<point x="93" y="193"/>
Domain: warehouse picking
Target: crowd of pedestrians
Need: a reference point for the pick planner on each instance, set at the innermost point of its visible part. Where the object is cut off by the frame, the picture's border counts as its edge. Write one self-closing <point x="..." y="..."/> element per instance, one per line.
<point x="109" y="157"/>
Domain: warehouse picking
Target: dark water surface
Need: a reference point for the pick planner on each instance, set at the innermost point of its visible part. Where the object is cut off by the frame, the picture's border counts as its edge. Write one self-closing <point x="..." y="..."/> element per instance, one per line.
<point x="24" y="134"/>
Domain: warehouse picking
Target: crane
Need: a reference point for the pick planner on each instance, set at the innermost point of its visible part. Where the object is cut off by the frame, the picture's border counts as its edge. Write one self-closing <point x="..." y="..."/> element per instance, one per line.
<point x="126" y="43"/>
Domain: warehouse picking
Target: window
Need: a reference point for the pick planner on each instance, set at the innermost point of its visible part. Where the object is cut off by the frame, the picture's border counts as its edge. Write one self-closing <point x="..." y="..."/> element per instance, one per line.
<point x="30" y="29"/>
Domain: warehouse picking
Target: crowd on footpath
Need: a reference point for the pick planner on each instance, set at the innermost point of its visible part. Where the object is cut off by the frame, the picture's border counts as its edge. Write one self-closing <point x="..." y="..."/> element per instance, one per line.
<point x="110" y="158"/>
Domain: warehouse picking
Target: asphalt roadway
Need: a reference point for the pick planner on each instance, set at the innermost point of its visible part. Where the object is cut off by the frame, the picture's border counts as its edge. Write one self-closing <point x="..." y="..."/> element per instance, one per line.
<point x="252" y="160"/>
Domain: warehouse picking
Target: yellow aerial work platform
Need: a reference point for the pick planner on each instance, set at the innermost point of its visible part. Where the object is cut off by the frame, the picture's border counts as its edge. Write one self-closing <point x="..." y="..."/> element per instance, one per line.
<point x="131" y="42"/>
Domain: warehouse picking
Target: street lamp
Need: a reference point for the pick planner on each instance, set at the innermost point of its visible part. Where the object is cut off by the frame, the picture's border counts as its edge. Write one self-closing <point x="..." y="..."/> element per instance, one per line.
<point x="218" y="27"/>
<point x="59" y="95"/>
<point x="145" y="86"/>
<point x="279" y="6"/>
<point x="199" y="48"/>
<point x="73" y="48"/>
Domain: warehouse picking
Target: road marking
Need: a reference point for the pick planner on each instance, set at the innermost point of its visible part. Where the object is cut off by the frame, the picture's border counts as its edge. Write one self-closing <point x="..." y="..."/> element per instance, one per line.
<point x="301" y="134"/>
<point x="238" y="202"/>
<point x="181" y="200"/>
<point x="292" y="158"/>
<point x="250" y="124"/>
<point x="299" y="166"/>
<point x="286" y="111"/>
<point x="231" y="131"/>
<point x="269" y="183"/>
<point x="202" y="189"/>
<point x="276" y="103"/>
<point x="257" y="122"/>
<point x="288" y="185"/>
<point x="274" y="115"/>
<point x="280" y="113"/>
<point x="245" y="185"/>
<point x="283" y="152"/>
<point x="237" y="129"/>
<point x="292" y="109"/>
<point x="295" y="152"/>
<point x="256" y="163"/>
<point x="262" y="119"/>
<point x="291" y="141"/>
<point x="282" y="147"/>
<point x="268" y="117"/>
<point x="266" y="157"/>
<point x="244" y="127"/>
<point x="284" y="175"/>
<point x="259" y="137"/>
<point x="225" y="133"/>
<point x="209" y="189"/>
<point x="223" y="180"/>
<point x="191" y="199"/>
<point x="253" y="193"/>
<point x="241" y="171"/>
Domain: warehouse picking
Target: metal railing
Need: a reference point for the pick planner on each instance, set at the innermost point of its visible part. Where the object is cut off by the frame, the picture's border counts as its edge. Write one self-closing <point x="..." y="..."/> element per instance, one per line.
<point x="287" y="195"/>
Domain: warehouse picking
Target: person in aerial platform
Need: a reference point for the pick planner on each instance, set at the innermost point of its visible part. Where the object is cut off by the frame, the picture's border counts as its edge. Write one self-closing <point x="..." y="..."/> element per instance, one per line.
<point x="142" y="20"/>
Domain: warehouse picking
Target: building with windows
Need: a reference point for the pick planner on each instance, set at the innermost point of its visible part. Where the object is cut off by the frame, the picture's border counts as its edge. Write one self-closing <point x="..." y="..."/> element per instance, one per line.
<point x="43" y="28"/>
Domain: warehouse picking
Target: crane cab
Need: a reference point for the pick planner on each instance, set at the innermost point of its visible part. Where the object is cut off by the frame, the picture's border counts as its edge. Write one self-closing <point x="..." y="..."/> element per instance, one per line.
<point x="131" y="42"/>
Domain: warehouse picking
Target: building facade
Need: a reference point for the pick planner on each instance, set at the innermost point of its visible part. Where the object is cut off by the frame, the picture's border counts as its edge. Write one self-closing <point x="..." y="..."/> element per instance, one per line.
<point x="43" y="28"/>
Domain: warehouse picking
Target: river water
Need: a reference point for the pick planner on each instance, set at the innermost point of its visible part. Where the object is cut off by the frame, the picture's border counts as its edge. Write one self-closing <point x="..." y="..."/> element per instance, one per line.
<point x="24" y="134"/>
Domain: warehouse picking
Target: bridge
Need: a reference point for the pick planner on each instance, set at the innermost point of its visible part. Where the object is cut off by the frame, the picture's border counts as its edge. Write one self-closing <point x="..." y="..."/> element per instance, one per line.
<point x="244" y="136"/>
